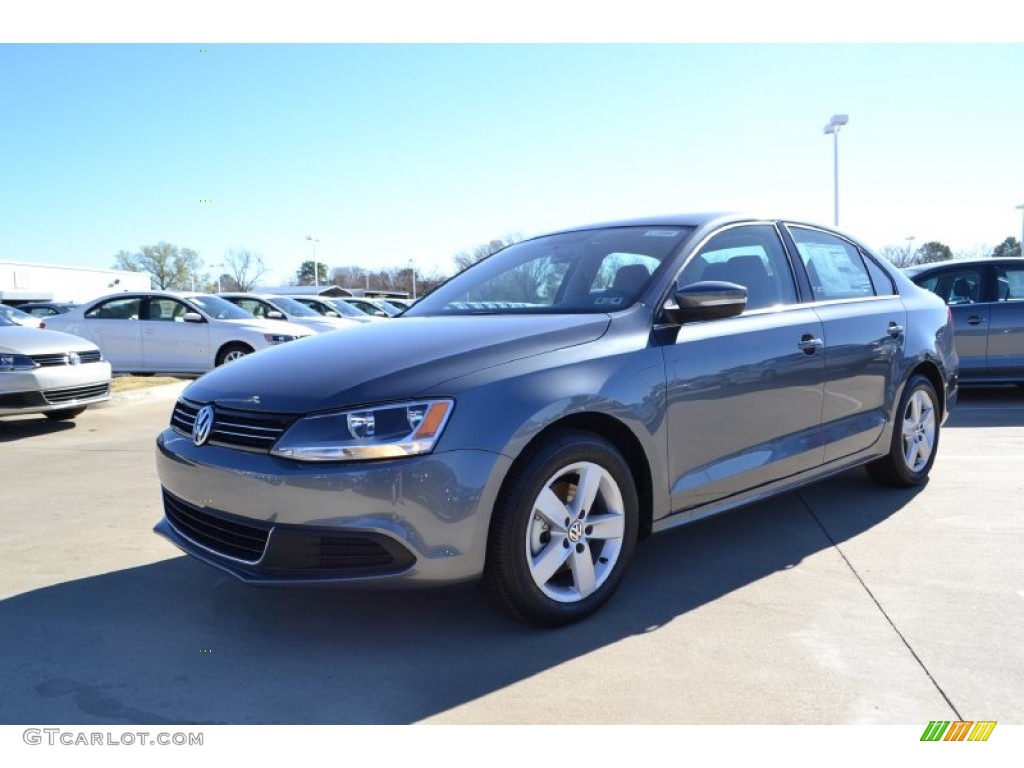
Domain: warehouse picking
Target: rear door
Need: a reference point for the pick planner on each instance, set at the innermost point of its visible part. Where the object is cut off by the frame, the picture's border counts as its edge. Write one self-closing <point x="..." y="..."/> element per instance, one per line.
<point x="113" y="325"/>
<point x="864" y="322"/>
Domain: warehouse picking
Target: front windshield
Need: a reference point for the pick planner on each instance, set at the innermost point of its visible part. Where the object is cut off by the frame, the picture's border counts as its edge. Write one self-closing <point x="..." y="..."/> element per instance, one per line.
<point x="597" y="270"/>
<point x="219" y="309"/>
<point x="4" y="321"/>
<point x="293" y="308"/>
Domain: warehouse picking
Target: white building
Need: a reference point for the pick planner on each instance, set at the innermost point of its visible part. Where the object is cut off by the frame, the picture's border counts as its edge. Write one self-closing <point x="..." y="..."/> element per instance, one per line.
<point x="22" y="281"/>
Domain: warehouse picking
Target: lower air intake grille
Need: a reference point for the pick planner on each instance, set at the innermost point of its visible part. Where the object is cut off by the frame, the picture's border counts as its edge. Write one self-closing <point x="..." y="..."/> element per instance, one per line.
<point x="220" y="534"/>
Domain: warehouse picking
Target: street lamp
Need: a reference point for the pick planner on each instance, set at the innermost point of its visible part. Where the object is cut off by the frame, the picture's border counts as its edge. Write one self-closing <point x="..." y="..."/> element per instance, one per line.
<point x="316" y="267"/>
<point x="910" y="245"/>
<point x="1021" y="209"/>
<point x="412" y="268"/>
<point x="218" y="266"/>
<point x="833" y="127"/>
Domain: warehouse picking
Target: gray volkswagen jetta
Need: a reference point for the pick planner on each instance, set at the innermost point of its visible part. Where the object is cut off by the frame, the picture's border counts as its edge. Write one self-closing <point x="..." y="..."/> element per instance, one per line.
<point x="529" y="421"/>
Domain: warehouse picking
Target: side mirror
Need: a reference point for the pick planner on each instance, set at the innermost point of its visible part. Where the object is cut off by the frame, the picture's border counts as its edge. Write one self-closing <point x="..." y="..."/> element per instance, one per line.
<point x="192" y="317"/>
<point x="274" y="314"/>
<point x="706" y="300"/>
<point x="331" y="313"/>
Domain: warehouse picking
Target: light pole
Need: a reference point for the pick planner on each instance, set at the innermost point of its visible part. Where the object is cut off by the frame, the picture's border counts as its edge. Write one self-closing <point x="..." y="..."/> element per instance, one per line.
<point x="218" y="267"/>
<point x="833" y="127"/>
<point x="316" y="267"/>
<point x="910" y="245"/>
<point x="412" y="268"/>
<point x="1021" y="209"/>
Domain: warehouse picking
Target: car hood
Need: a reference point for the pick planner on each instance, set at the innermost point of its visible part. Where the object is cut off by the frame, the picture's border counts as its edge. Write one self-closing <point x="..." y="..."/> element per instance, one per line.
<point x="377" y="362"/>
<point x="279" y="327"/>
<point x="21" y="340"/>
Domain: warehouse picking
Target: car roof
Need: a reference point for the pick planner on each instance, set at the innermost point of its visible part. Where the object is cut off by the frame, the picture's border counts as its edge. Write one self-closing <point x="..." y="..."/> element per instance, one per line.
<point x="918" y="269"/>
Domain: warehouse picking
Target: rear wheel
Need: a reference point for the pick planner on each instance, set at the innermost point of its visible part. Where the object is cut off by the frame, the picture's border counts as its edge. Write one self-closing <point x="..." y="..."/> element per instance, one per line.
<point x="563" y="532"/>
<point x="233" y="351"/>
<point x="915" y="437"/>
<point x="64" y="414"/>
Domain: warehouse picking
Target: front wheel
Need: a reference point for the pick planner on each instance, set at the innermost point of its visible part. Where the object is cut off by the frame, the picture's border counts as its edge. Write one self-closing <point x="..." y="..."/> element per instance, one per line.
<point x="233" y="352"/>
<point x="563" y="531"/>
<point x="915" y="437"/>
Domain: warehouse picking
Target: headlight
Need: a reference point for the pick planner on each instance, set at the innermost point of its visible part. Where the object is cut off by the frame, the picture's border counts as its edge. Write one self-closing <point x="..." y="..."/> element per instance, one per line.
<point x="382" y="432"/>
<point x="277" y="338"/>
<point x="16" y="363"/>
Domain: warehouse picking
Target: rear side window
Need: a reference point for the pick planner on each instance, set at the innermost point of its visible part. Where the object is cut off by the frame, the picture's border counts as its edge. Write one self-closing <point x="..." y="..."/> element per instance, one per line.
<point x="835" y="267"/>
<point x="116" y="309"/>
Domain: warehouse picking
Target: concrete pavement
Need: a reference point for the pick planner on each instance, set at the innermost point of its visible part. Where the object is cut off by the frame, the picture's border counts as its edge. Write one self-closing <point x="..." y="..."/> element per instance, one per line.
<point x="843" y="603"/>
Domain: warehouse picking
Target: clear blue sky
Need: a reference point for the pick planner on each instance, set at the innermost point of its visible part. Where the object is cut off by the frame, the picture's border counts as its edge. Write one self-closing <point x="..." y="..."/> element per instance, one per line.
<point x="391" y="152"/>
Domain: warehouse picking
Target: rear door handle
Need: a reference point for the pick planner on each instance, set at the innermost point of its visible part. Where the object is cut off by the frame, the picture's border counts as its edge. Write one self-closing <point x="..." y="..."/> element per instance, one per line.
<point x="975" y="320"/>
<point x="895" y="330"/>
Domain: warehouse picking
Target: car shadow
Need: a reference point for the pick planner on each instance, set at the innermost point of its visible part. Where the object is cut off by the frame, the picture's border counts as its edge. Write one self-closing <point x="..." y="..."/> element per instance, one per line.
<point x="990" y="406"/>
<point x="31" y="426"/>
<point x="176" y="642"/>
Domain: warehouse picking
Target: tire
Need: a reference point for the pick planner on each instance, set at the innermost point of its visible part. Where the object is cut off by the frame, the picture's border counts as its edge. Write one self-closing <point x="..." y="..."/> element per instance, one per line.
<point x="232" y="351"/>
<point x="551" y="560"/>
<point x="65" y="414"/>
<point x="915" y="438"/>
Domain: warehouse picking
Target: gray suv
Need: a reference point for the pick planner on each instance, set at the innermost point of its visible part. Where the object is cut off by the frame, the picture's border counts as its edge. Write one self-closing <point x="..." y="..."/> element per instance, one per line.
<point x="531" y="419"/>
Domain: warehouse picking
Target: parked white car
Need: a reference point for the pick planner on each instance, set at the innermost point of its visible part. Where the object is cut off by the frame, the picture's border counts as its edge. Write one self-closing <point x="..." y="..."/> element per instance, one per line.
<point x="282" y="308"/>
<point x="330" y="306"/>
<point x="171" y="332"/>
<point x="55" y="374"/>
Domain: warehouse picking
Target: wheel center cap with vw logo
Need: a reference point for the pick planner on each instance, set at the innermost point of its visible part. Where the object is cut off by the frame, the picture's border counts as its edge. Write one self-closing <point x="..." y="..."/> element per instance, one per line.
<point x="575" y="531"/>
<point x="203" y="424"/>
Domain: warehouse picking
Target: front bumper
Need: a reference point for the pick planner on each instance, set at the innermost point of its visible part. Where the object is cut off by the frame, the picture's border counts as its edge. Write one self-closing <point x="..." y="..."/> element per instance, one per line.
<point x="267" y="520"/>
<point x="54" y="388"/>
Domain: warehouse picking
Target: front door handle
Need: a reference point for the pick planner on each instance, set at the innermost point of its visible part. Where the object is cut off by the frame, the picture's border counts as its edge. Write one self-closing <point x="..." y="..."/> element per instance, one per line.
<point x="810" y="344"/>
<point x="975" y="320"/>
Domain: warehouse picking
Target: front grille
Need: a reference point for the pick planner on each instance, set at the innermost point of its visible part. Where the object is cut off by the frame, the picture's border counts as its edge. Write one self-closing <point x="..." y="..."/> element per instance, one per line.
<point x="234" y="428"/>
<point x="220" y="534"/>
<point x="61" y="358"/>
<point x="57" y="396"/>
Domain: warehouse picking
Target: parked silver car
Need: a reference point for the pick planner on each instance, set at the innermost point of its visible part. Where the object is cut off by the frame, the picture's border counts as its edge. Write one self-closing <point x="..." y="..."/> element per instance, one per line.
<point x="986" y="299"/>
<point x="55" y="374"/>
<point x="530" y="420"/>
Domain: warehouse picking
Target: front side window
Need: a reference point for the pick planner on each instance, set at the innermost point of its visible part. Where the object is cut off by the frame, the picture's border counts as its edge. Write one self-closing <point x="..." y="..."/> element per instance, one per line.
<point x="835" y="267"/>
<point x="166" y="310"/>
<point x="751" y="256"/>
<point x="589" y="271"/>
<point x="955" y="286"/>
<point x="1010" y="283"/>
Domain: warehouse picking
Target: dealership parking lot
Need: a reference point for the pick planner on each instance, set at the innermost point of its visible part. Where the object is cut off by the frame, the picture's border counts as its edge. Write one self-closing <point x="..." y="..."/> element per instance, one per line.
<point x="842" y="603"/>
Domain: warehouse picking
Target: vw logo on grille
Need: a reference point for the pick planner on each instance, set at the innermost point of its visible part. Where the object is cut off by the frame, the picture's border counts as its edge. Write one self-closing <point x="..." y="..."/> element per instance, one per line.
<point x="73" y="358"/>
<point x="203" y="424"/>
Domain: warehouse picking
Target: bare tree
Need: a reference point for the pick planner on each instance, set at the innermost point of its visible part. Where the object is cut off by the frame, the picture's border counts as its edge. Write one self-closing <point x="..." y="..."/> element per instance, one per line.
<point x="245" y="268"/>
<point x="464" y="259"/>
<point x="169" y="267"/>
